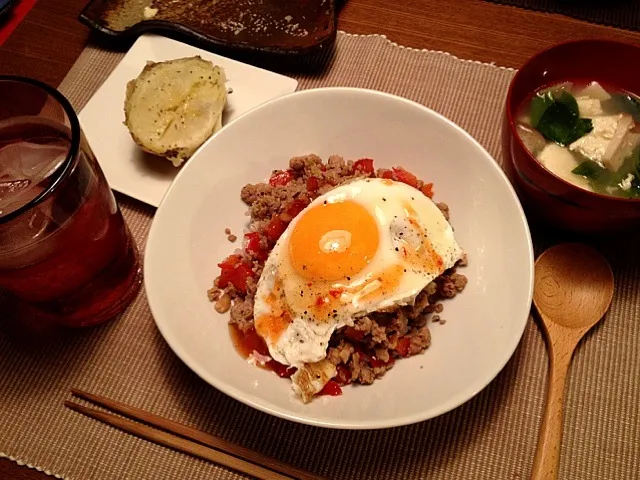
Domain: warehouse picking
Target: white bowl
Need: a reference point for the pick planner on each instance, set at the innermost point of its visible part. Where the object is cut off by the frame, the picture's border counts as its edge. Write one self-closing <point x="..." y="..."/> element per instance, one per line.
<point x="484" y="323"/>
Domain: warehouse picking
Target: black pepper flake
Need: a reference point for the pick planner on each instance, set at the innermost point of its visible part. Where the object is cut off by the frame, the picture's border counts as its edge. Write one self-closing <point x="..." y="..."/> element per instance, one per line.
<point x="397" y="250"/>
<point x="325" y="202"/>
<point x="348" y="278"/>
<point x="335" y="311"/>
<point x="305" y="312"/>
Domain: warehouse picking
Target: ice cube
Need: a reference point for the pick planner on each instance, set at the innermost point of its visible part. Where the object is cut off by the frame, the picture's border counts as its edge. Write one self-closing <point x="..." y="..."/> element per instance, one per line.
<point x="24" y="165"/>
<point x="35" y="161"/>
<point x="12" y="193"/>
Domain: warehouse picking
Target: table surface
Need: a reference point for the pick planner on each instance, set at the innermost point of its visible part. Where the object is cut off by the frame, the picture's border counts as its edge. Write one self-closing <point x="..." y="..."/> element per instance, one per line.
<point x="49" y="40"/>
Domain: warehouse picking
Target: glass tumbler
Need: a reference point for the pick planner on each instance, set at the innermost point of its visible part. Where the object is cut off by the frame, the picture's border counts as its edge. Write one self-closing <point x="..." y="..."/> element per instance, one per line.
<point x="66" y="254"/>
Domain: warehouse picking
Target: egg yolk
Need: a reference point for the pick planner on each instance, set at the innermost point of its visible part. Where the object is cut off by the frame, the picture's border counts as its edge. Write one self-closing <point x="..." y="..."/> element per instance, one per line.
<point x="333" y="241"/>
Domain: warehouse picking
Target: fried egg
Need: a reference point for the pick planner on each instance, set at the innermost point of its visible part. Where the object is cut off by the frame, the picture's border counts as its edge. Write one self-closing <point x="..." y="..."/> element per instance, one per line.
<point x="366" y="246"/>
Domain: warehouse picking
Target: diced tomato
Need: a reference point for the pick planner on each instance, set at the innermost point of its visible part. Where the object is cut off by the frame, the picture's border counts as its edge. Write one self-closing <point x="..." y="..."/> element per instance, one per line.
<point x="427" y="189"/>
<point x="312" y="184"/>
<point x="234" y="271"/>
<point x="376" y="362"/>
<point x="353" y="334"/>
<point x="283" y="371"/>
<point x="275" y="228"/>
<point x="253" y="342"/>
<point x="335" y="292"/>
<point x="254" y="247"/>
<point x="399" y="175"/>
<point x="364" y="165"/>
<point x="230" y="261"/>
<point x="280" y="178"/>
<point x="331" y="388"/>
<point x="296" y="206"/>
<point x="403" y="346"/>
<point x="320" y="300"/>
<point x="343" y="377"/>
<point x="403" y="176"/>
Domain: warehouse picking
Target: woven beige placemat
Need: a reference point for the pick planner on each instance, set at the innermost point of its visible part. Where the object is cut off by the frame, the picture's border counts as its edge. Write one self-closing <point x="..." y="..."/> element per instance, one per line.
<point x="491" y="437"/>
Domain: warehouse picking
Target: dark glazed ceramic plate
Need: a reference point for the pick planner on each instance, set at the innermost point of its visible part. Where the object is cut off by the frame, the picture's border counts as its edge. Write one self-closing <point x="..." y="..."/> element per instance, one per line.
<point x="282" y="27"/>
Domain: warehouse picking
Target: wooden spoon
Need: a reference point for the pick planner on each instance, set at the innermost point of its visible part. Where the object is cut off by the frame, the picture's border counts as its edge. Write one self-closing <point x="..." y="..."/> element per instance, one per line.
<point x="572" y="291"/>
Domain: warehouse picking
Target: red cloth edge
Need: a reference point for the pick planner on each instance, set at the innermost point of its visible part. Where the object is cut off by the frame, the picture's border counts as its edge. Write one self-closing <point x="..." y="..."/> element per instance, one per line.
<point x="14" y="17"/>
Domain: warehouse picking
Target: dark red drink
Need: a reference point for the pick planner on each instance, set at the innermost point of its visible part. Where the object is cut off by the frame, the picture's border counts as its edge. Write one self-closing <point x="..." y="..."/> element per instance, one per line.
<point x="64" y="246"/>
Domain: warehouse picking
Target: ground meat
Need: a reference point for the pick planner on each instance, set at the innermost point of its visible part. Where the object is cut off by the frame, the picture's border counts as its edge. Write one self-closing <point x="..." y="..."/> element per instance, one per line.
<point x="252" y="284"/>
<point x="241" y="314"/>
<point x="444" y="208"/>
<point x="378" y="333"/>
<point x="214" y="294"/>
<point x="420" y="340"/>
<point x="370" y="347"/>
<point x="383" y="354"/>
<point x="422" y="301"/>
<point x="361" y="371"/>
<point x="223" y="304"/>
<point x="399" y="323"/>
<point x="265" y="200"/>
<point x="363" y="324"/>
<point x="449" y="285"/>
<point x="341" y="353"/>
<point x="309" y="164"/>
<point x="421" y="320"/>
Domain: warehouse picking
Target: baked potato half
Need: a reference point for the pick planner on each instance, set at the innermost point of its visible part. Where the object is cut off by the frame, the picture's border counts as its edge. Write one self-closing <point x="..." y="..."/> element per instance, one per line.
<point x="173" y="107"/>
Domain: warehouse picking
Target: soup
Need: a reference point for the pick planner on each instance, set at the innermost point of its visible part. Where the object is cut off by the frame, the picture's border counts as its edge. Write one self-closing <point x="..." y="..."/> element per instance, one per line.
<point x="587" y="135"/>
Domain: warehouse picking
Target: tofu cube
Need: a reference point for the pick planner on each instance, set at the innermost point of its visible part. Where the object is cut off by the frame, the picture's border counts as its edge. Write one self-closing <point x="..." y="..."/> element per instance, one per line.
<point x="589" y="107"/>
<point x="603" y="142"/>
<point x="561" y="161"/>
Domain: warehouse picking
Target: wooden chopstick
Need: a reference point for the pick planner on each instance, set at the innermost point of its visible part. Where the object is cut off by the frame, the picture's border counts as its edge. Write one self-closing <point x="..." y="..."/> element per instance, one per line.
<point x="188" y="440"/>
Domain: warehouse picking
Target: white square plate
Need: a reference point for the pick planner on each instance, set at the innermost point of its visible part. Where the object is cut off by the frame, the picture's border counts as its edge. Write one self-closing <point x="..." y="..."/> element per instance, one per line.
<point x="128" y="169"/>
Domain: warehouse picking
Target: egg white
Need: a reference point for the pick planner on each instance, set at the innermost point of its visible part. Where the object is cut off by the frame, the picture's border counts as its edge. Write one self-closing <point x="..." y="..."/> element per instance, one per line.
<point x="306" y="338"/>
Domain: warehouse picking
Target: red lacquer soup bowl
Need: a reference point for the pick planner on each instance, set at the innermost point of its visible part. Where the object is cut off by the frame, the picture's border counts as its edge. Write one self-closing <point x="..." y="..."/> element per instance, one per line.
<point x="542" y="193"/>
